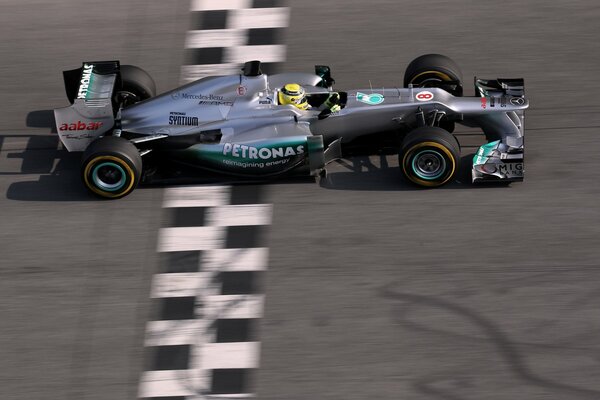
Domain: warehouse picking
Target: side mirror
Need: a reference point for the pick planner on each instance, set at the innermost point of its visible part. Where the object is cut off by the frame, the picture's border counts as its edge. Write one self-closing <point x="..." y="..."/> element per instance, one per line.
<point x="252" y="68"/>
<point x="325" y="73"/>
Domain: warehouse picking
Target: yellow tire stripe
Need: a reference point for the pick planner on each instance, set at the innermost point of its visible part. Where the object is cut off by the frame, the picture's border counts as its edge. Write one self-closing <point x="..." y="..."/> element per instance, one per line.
<point x="103" y="193"/>
<point x="421" y="181"/>
<point x="439" y="74"/>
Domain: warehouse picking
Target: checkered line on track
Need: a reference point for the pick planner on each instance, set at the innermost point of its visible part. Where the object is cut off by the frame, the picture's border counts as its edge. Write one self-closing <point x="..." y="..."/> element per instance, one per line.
<point x="224" y="34"/>
<point x="202" y="340"/>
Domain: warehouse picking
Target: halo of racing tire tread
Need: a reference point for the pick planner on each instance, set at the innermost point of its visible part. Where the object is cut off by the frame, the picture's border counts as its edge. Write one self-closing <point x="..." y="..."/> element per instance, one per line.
<point x="137" y="81"/>
<point x="439" y="143"/>
<point x="116" y="152"/>
<point x="436" y="66"/>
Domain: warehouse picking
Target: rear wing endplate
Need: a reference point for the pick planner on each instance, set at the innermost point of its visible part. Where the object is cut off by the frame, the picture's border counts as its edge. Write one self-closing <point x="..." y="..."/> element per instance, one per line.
<point x="91" y="113"/>
<point x="91" y="80"/>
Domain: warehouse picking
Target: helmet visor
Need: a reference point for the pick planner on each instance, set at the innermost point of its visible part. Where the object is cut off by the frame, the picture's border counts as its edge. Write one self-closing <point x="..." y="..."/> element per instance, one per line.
<point x="298" y="99"/>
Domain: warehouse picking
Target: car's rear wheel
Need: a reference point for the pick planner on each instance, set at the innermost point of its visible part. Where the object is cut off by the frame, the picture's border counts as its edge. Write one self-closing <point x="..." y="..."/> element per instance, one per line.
<point x="430" y="156"/>
<point x="111" y="167"/>
<point x="434" y="70"/>
<point x="137" y="85"/>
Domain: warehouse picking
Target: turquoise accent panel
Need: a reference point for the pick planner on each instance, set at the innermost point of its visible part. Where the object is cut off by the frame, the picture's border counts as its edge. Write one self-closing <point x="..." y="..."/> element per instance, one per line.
<point x="262" y="157"/>
<point x="484" y="152"/>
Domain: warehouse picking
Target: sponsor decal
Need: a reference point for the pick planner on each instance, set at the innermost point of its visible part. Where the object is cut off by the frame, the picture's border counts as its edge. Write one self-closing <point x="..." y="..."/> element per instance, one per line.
<point x="214" y="100"/>
<point x="81" y="126"/>
<point x="205" y="99"/>
<point x="244" y="164"/>
<point x="264" y="157"/>
<point x="511" y="169"/>
<point x="78" y="136"/>
<point x="484" y="103"/>
<point x="216" y="103"/>
<point x="492" y="102"/>
<point x="371" y="99"/>
<point x="424" y="96"/>
<point x="86" y="79"/>
<point x="251" y="164"/>
<point x="488" y="168"/>
<point x="189" y="96"/>
<point x="262" y="153"/>
<point x="503" y="101"/>
<point x="179" y="118"/>
<point x="241" y="90"/>
<point x="517" y="101"/>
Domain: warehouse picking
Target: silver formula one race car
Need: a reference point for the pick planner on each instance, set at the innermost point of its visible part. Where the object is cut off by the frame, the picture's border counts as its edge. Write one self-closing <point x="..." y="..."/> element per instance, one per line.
<point x="238" y="125"/>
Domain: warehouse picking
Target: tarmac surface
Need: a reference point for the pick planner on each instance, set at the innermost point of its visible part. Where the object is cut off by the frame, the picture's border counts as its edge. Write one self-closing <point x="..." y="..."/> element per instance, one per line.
<point x="375" y="290"/>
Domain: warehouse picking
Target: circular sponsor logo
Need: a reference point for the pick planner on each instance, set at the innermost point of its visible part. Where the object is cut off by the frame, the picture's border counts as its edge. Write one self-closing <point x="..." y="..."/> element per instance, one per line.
<point x="424" y="96"/>
<point x="489" y="168"/>
<point x="176" y="95"/>
<point x="241" y="90"/>
<point x="372" y="99"/>
<point x="517" y="101"/>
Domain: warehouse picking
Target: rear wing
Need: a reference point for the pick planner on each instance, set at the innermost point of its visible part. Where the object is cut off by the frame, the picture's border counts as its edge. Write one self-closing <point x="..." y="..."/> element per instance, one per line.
<point x="91" y="113"/>
<point x="92" y="80"/>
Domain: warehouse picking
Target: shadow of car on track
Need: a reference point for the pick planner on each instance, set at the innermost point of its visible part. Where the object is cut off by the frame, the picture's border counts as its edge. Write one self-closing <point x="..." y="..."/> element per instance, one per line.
<point x="54" y="170"/>
<point x="59" y="183"/>
<point x="59" y="176"/>
<point x="49" y="172"/>
<point x="41" y="119"/>
<point x="361" y="173"/>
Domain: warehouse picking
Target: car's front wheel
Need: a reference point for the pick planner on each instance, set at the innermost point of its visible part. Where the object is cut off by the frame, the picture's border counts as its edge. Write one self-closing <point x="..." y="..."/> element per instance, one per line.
<point x="111" y="167"/>
<point x="430" y="156"/>
<point x="434" y="71"/>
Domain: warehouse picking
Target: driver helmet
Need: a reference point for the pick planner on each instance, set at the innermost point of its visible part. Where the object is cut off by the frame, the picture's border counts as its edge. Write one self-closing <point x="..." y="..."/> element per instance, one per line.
<point x="293" y="94"/>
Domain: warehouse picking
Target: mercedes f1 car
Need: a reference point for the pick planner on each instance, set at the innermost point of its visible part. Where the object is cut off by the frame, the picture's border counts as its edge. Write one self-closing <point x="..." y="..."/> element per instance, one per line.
<point x="236" y="125"/>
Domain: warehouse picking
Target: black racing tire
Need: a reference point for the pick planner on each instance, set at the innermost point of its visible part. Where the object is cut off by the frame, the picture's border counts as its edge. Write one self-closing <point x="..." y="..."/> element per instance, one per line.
<point x="111" y="167"/>
<point x="432" y="70"/>
<point x="137" y="85"/>
<point x="430" y="156"/>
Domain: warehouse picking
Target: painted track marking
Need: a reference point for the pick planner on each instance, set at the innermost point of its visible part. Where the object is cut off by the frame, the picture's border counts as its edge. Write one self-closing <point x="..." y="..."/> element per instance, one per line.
<point x="202" y="341"/>
<point x="224" y="34"/>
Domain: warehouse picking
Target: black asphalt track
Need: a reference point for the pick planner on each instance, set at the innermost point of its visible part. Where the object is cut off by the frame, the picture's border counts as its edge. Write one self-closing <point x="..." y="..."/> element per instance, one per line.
<point x="375" y="290"/>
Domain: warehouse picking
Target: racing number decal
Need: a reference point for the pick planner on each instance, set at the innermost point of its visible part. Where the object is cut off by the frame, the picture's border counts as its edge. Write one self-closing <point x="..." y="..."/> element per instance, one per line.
<point x="424" y="96"/>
